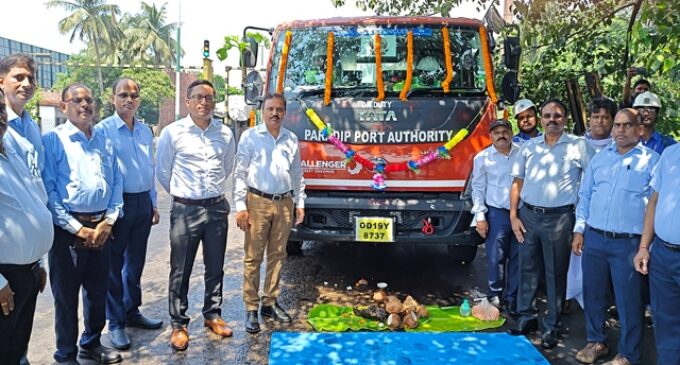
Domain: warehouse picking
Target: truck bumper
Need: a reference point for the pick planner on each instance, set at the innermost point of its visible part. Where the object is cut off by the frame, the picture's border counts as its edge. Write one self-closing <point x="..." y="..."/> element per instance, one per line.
<point x="331" y="218"/>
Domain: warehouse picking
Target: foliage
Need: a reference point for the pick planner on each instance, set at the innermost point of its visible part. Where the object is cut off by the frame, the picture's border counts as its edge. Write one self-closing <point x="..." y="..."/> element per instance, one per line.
<point x="413" y="7"/>
<point x="91" y="21"/>
<point x="235" y="42"/>
<point x="32" y="105"/>
<point x="148" y="38"/>
<point x="218" y="83"/>
<point x="155" y="86"/>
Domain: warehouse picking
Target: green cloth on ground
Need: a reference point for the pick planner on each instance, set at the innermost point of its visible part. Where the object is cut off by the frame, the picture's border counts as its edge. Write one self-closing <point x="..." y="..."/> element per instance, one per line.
<point x="333" y="318"/>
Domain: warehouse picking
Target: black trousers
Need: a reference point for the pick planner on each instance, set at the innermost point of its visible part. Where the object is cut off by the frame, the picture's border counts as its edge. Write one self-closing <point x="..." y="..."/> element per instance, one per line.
<point x="15" y="328"/>
<point x="189" y="226"/>
<point x="546" y="247"/>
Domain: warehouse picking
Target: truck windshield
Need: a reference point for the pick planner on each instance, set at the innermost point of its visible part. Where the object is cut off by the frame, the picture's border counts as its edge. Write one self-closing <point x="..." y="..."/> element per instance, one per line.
<point x="354" y="63"/>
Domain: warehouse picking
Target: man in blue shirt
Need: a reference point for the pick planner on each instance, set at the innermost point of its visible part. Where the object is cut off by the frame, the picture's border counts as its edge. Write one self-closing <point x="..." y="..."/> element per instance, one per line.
<point x="85" y="191"/>
<point x="649" y="106"/>
<point x="525" y="113"/>
<point x="609" y="216"/>
<point x="133" y="143"/>
<point x="17" y="79"/>
<point x="662" y="260"/>
<point x="491" y="182"/>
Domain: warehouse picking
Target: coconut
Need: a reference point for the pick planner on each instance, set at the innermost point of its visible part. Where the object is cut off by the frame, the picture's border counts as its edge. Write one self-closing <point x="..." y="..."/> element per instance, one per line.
<point x="410" y="320"/>
<point x="422" y="312"/>
<point x="394" y="321"/>
<point x="409" y="305"/>
<point x="379" y="296"/>
<point x="393" y="305"/>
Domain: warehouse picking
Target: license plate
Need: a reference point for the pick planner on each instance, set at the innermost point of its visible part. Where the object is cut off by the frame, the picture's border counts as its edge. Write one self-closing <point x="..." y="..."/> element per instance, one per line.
<point x="374" y="229"/>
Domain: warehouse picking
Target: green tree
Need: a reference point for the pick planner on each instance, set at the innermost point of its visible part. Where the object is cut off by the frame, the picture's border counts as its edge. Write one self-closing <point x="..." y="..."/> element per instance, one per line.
<point x="91" y="21"/>
<point x="148" y="36"/>
<point x="155" y="86"/>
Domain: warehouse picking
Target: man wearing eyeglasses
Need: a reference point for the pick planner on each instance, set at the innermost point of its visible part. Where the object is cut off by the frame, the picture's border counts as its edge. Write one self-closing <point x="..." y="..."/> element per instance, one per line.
<point x="649" y="106"/>
<point x="547" y="171"/>
<point x="194" y="158"/>
<point x="133" y="143"/>
<point x="85" y="196"/>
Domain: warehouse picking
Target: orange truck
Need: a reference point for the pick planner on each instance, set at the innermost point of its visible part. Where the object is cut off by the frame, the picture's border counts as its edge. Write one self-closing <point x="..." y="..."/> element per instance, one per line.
<point x="390" y="112"/>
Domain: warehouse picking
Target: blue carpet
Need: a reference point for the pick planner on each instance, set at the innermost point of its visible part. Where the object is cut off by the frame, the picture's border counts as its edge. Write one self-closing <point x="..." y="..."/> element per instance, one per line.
<point x="401" y="348"/>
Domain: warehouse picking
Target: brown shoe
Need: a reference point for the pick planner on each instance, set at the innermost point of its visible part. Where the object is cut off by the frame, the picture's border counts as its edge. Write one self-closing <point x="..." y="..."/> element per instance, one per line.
<point x="179" y="339"/>
<point x="218" y="326"/>
<point x="592" y="352"/>
<point x="618" y="360"/>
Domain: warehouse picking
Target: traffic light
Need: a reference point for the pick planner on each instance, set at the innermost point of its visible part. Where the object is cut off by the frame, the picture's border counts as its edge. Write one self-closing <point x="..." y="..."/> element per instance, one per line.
<point x="206" y="49"/>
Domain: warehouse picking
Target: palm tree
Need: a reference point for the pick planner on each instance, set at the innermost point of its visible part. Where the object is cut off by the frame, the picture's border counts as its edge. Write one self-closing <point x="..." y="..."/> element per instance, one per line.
<point x="150" y="38"/>
<point x="91" y="21"/>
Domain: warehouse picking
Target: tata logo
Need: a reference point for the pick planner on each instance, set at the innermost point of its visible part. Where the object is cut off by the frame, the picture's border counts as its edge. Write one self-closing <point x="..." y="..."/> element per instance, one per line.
<point x="377" y="116"/>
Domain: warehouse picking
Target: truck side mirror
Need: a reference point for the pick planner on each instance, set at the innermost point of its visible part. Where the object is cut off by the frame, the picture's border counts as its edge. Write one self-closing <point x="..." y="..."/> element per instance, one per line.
<point x="249" y="56"/>
<point x="510" y="86"/>
<point x="253" y="87"/>
<point x="511" y="52"/>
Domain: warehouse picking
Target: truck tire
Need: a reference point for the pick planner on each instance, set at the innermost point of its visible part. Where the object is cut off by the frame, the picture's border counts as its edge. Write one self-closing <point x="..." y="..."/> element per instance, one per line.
<point x="294" y="248"/>
<point x="464" y="254"/>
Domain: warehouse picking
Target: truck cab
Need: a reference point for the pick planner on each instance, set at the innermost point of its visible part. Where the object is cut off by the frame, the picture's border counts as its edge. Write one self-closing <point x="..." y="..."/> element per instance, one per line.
<point x="387" y="163"/>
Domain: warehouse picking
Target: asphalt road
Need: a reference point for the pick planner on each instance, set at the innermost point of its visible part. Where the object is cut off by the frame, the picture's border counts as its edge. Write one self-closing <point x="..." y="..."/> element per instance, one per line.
<point x="321" y="275"/>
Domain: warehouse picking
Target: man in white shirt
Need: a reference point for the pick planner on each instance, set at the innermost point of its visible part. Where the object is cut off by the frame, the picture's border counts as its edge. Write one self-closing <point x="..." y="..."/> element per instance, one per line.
<point x="268" y="183"/>
<point x="491" y="183"/>
<point x="194" y="158"/>
<point x="26" y="233"/>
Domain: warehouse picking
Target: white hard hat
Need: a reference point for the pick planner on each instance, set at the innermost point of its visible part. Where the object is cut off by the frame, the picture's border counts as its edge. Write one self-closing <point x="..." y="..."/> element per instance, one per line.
<point x="428" y="63"/>
<point x="522" y="105"/>
<point x="647" y="99"/>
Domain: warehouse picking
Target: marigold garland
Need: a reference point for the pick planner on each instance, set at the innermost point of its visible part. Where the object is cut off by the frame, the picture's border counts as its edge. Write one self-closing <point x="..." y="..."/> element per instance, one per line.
<point x="447" y="58"/>
<point x="284" y="62"/>
<point x="409" y="66"/>
<point x="251" y="119"/>
<point x="491" y="89"/>
<point x="381" y="169"/>
<point x="329" y="69"/>
<point x="378" y="69"/>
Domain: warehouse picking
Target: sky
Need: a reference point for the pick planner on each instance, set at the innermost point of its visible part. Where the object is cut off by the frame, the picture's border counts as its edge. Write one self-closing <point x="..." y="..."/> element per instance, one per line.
<point x="201" y="19"/>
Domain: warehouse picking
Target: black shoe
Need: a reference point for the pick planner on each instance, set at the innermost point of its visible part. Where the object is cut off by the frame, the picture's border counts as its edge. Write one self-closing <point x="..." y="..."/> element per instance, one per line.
<point x="276" y="313"/>
<point x="119" y="339"/>
<point x="524" y="327"/>
<point x="549" y="339"/>
<point x="252" y="324"/>
<point x="144" y="323"/>
<point x="101" y="354"/>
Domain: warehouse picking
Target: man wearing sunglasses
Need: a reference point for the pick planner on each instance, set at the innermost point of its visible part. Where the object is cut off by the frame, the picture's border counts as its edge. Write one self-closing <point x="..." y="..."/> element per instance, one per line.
<point x="85" y="196"/>
<point x="133" y="143"/>
<point x="547" y="171"/>
<point x="195" y="156"/>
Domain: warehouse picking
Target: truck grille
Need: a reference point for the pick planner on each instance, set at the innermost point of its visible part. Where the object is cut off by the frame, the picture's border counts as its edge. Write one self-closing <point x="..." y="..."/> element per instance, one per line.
<point x="344" y="218"/>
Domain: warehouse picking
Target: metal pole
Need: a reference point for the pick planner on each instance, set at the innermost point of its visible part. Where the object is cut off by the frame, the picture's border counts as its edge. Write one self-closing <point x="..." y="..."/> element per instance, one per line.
<point x="178" y="56"/>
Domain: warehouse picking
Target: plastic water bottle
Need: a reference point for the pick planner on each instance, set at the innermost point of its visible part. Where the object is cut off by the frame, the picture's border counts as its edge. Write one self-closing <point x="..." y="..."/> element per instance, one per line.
<point x="464" y="309"/>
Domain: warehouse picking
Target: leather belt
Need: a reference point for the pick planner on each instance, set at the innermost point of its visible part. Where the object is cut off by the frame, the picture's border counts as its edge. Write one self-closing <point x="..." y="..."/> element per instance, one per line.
<point x="200" y="202"/>
<point x="670" y="246"/>
<point x="615" y="235"/>
<point x="89" y="217"/>
<point x="551" y="210"/>
<point x="274" y="197"/>
<point x="135" y="195"/>
<point x="18" y="267"/>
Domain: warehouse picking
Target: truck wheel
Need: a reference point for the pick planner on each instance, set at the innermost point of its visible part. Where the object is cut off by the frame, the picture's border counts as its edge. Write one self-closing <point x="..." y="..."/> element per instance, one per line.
<point x="294" y="248"/>
<point x="464" y="254"/>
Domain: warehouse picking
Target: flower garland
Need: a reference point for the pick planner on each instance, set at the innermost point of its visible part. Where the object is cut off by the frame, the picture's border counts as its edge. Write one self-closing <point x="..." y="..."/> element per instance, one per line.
<point x="487" y="64"/>
<point x="381" y="169"/>
<point x="329" y="69"/>
<point x="409" y="66"/>
<point x="378" y="69"/>
<point x="447" y="58"/>
<point x="284" y="62"/>
<point x="251" y="118"/>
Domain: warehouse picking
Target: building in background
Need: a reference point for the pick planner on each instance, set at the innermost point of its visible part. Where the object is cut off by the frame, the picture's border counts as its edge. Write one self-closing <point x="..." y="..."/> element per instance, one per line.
<point x="50" y="63"/>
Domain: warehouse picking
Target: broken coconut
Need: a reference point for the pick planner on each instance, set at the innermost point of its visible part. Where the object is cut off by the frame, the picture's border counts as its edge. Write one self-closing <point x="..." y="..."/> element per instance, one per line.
<point x="393" y="305"/>
<point x="394" y="321"/>
<point x="371" y="312"/>
<point x="410" y="320"/>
